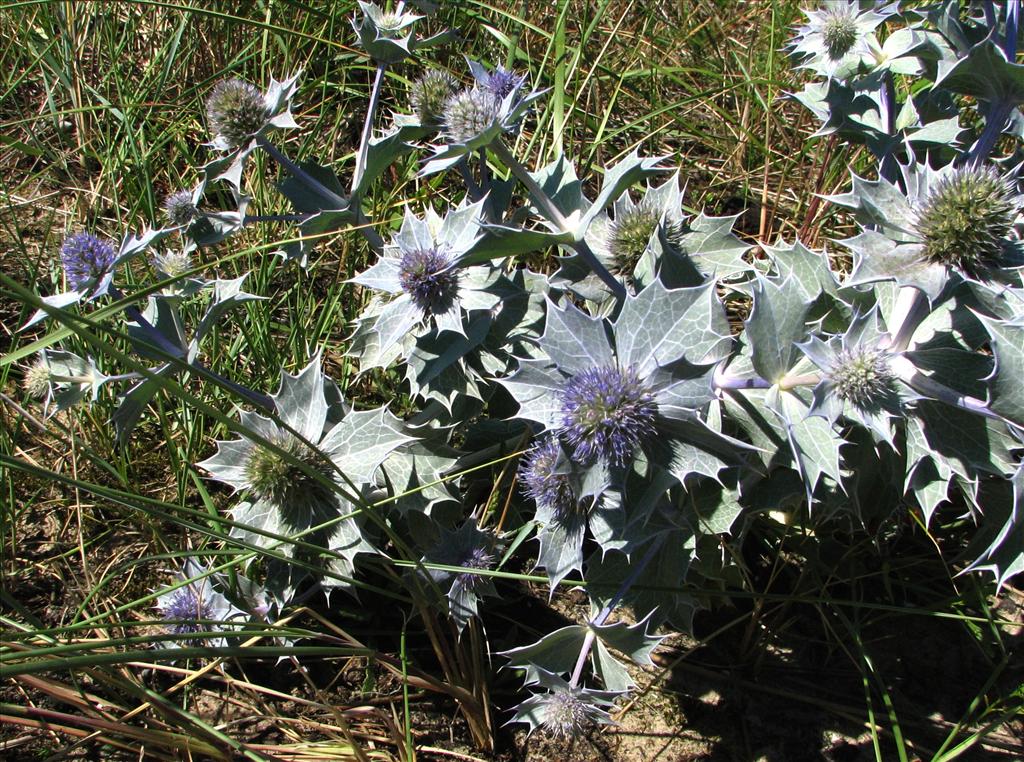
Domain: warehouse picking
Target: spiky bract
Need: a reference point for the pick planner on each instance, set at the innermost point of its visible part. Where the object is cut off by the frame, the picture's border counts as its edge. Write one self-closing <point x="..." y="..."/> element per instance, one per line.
<point x="86" y="258"/>
<point x="429" y="94"/>
<point x="469" y="113"/>
<point x="862" y="376"/>
<point x="236" y="111"/>
<point x="566" y="715"/>
<point x="607" y="413"/>
<point x="501" y="82"/>
<point x="179" y="208"/>
<point x="427" y="276"/>
<point x="966" y="218"/>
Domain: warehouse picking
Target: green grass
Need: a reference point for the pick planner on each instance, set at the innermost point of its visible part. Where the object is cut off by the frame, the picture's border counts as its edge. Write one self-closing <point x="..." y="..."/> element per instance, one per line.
<point x="101" y="117"/>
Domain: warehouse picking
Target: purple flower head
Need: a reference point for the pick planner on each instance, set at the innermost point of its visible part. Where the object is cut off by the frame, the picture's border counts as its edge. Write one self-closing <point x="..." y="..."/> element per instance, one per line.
<point x="476" y="557"/>
<point x="186" y="610"/>
<point x="86" y="258"/>
<point x="544" y="482"/>
<point x="179" y="208"/>
<point x="607" y="413"/>
<point x="566" y="715"/>
<point x="502" y="82"/>
<point x="427" y="276"/>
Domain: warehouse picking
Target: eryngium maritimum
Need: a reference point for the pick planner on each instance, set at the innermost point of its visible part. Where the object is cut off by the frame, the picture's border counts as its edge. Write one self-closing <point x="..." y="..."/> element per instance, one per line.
<point x="566" y="715"/>
<point x="283" y="483"/>
<point x="862" y="376"/>
<point x="607" y="413"/>
<point x="501" y="82"/>
<point x="542" y="481"/>
<point x="429" y="94"/>
<point x="36" y="380"/>
<point x="469" y="113"/>
<point x="186" y="610"/>
<point x="839" y="31"/>
<point x="236" y="111"/>
<point x="633" y="230"/>
<point x="85" y="258"/>
<point x="179" y="209"/>
<point x="966" y="218"/>
<point x="172" y="263"/>
<point x="427" y="276"/>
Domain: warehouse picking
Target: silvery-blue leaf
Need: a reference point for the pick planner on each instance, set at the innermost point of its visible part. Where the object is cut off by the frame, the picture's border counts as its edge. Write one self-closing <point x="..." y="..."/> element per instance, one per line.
<point x="555" y="652"/>
<point x="361" y="442"/>
<point x="877" y="258"/>
<point x="1004" y="556"/>
<point x="658" y="327"/>
<point x="969" y="443"/>
<point x="262" y="517"/>
<point x="809" y="270"/>
<point x="537" y="386"/>
<point x="300" y="401"/>
<point x="561" y="550"/>
<point x="558" y="180"/>
<point x="162" y="314"/>
<point x="304" y="199"/>
<point x="775" y="324"/>
<point x="616" y="181"/>
<point x="1007" y="380"/>
<point x="59" y="301"/>
<point x="72" y="378"/>
<point x="384" y="150"/>
<point x="501" y="241"/>
<point x="133" y="404"/>
<point x="575" y="341"/>
<point x="711" y="244"/>
<point x="227" y="294"/>
<point x="984" y="73"/>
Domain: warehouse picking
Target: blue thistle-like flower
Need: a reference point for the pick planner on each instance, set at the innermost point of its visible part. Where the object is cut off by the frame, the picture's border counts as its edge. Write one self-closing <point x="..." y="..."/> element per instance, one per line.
<point x="186" y="609"/>
<point x="429" y="94"/>
<point x="171" y="264"/>
<point x="862" y="376"/>
<point x="427" y="276"/>
<point x="179" y="208"/>
<point x="566" y="715"/>
<point x="236" y="111"/>
<point x="86" y="258"/>
<point x="544" y="482"/>
<point x="966" y="218"/>
<point x="607" y="413"/>
<point x="501" y="82"/>
<point x="477" y="557"/>
<point x="469" y="113"/>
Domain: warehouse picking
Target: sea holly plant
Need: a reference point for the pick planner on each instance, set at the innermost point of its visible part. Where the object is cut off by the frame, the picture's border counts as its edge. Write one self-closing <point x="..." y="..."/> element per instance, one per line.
<point x="603" y="415"/>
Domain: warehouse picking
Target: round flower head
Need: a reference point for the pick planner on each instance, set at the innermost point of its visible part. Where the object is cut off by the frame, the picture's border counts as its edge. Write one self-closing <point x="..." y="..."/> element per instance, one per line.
<point x="186" y="609"/>
<point x="179" y="208"/>
<point x="965" y="219"/>
<point x="429" y="94"/>
<point x="631" y="232"/>
<point x="501" y="82"/>
<point x="544" y="481"/>
<point x="477" y="557"/>
<point x="299" y="495"/>
<point x="427" y="276"/>
<point x="36" y="380"/>
<point x="839" y="30"/>
<point x="86" y="258"/>
<point x="171" y="264"/>
<point x="236" y="111"/>
<point x="469" y="113"/>
<point x="862" y="376"/>
<point x="389" y="23"/>
<point x="607" y="413"/>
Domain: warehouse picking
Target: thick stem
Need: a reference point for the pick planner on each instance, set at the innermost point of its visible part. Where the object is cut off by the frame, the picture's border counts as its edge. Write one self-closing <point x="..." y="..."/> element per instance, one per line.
<point x="995" y="119"/>
<point x="928" y="387"/>
<point x="1012" y="24"/>
<point x="311" y="182"/>
<point x="910" y="310"/>
<point x="604" y="613"/>
<point x="722" y="380"/>
<point x="254" y="218"/>
<point x="555" y="216"/>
